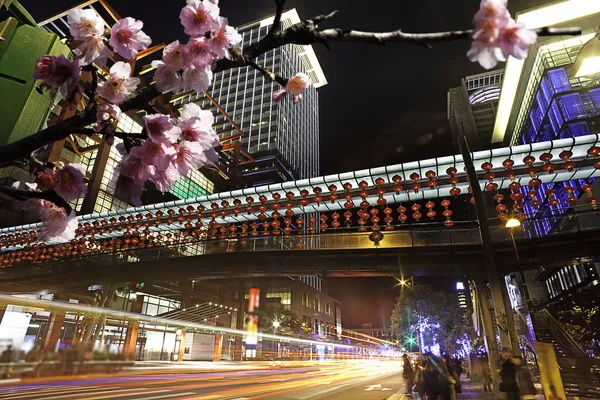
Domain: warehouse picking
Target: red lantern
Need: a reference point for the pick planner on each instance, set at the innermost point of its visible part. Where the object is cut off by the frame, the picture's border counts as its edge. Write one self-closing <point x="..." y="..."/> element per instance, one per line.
<point x="335" y="222"/>
<point x="415" y="185"/>
<point x="402" y="217"/>
<point x="430" y="205"/>
<point x="432" y="182"/>
<point x="397" y="186"/>
<point x="566" y="156"/>
<point x="332" y="196"/>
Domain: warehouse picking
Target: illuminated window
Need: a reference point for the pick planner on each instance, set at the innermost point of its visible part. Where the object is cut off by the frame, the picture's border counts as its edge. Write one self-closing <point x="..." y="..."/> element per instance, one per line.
<point x="284" y="294"/>
<point x="460" y="286"/>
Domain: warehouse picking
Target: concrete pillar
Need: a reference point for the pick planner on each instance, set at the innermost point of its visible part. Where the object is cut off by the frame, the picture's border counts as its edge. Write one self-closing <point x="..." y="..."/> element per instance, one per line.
<point x="131" y="340"/>
<point x="510" y="322"/>
<point x="218" y="348"/>
<point x="53" y="331"/>
<point x="489" y="331"/>
<point x="181" y="350"/>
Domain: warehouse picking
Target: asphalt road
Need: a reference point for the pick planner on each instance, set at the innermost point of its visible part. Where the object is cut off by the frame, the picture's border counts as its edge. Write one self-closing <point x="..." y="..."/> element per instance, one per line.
<point x="364" y="380"/>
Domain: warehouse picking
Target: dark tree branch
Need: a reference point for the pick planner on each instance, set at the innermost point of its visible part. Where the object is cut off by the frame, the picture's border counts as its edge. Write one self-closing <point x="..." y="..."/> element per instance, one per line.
<point x="270" y="76"/>
<point x="128" y="135"/>
<point x="276" y="27"/>
<point x="92" y="93"/>
<point x="49" y="195"/>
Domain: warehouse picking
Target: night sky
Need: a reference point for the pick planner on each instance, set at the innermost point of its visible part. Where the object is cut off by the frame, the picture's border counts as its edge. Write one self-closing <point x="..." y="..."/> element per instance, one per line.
<point x="383" y="104"/>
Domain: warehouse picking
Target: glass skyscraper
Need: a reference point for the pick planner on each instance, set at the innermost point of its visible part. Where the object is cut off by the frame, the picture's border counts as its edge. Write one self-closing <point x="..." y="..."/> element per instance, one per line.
<point x="283" y="138"/>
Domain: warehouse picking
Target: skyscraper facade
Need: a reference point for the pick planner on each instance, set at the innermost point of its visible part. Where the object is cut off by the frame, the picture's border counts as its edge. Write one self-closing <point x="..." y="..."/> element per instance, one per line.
<point x="472" y="107"/>
<point x="282" y="137"/>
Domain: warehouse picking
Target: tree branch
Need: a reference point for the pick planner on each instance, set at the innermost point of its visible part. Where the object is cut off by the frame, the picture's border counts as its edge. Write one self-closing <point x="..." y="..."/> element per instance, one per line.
<point x="276" y="27"/>
<point x="49" y="195"/>
<point x="128" y="135"/>
<point x="270" y="76"/>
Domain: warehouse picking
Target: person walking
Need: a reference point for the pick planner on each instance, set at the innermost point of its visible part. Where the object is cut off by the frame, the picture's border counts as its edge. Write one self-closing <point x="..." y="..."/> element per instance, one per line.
<point x="432" y="381"/>
<point x="508" y="379"/>
<point x="524" y="379"/>
<point x="407" y="374"/>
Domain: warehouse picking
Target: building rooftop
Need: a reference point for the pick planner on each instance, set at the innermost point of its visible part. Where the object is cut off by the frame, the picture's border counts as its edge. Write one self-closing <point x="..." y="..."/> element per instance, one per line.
<point x="308" y="56"/>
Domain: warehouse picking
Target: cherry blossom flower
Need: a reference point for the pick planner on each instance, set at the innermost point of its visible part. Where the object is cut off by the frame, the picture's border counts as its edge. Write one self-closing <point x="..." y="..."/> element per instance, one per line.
<point x="164" y="179"/>
<point x="176" y="56"/>
<point x="515" y="39"/>
<point x="224" y="37"/>
<point x="56" y="224"/>
<point x="190" y="156"/>
<point x="197" y="79"/>
<point x="161" y="129"/>
<point x="84" y="24"/>
<point x="133" y="167"/>
<point x="70" y="183"/>
<point x="107" y="119"/>
<point x="91" y="50"/>
<point x="199" y="17"/>
<point x="129" y="191"/>
<point x="158" y="154"/>
<point x="497" y="35"/>
<point x="200" y="52"/>
<point x="45" y="180"/>
<point x="196" y="123"/>
<point x="119" y="84"/>
<point x="166" y="77"/>
<point x="295" y="86"/>
<point x="58" y="73"/>
<point x="127" y="38"/>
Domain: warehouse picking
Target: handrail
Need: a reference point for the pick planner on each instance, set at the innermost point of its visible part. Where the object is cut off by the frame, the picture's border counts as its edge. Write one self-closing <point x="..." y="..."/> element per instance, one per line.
<point x="561" y="332"/>
<point x="18" y="11"/>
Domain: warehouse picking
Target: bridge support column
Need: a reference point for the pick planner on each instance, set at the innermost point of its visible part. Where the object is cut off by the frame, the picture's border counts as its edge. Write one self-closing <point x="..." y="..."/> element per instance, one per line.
<point x="180" y="341"/>
<point x="131" y="340"/>
<point x="489" y="332"/>
<point x="510" y="322"/>
<point x="486" y="239"/>
<point x="53" y="331"/>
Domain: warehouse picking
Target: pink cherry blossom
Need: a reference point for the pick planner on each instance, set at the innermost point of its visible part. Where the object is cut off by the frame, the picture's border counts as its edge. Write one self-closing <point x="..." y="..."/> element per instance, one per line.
<point x="164" y="179"/>
<point x="129" y="191"/>
<point x="91" y="50"/>
<point x="198" y="80"/>
<point x="119" y="84"/>
<point x="196" y="125"/>
<point x="70" y="183"/>
<point x="56" y="224"/>
<point x="84" y="24"/>
<point x="225" y="37"/>
<point x="45" y="180"/>
<point x="161" y="129"/>
<point x="515" y="39"/>
<point x="199" y="17"/>
<point x="200" y="52"/>
<point x="190" y="156"/>
<point x="158" y="154"/>
<point x="485" y="54"/>
<point x="295" y="86"/>
<point x="133" y="167"/>
<point x="58" y="73"/>
<point x="166" y="77"/>
<point x="108" y="112"/>
<point x="494" y="10"/>
<point x="127" y="38"/>
<point x="176" y="56"/>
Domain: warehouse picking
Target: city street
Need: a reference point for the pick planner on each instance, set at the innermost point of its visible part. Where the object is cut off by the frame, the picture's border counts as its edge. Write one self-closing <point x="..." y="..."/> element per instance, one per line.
<point x="348" y="380"/>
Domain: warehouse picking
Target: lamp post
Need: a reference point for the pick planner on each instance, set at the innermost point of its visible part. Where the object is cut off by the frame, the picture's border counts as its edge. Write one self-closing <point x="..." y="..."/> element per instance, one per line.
<point x="511" y="224"/>
<point x="276" y="325"/>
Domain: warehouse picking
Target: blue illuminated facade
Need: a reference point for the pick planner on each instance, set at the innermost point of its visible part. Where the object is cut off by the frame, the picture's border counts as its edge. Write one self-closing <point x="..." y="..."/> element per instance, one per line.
<point x="563" y="107"/>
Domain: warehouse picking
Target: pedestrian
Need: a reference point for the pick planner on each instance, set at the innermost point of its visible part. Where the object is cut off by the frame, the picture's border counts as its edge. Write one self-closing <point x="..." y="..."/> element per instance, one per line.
<point x="6" y="358"/>
<point x="508" y="378"/>
<point x="458" y="367"/>
<point x="432" y="382"/>
<point x="448" y="380"/>
<point x="524" y="379"/>
<point x="407" y="374"/>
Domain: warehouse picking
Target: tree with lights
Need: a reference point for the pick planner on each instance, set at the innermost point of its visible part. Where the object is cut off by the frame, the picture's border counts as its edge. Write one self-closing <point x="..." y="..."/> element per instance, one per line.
<point x="172" y="145"/>
<point x="421" y="311"/>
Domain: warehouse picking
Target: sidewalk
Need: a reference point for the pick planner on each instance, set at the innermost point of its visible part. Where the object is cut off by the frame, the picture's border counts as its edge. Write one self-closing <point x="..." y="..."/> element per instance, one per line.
<point x="470" y="392"/>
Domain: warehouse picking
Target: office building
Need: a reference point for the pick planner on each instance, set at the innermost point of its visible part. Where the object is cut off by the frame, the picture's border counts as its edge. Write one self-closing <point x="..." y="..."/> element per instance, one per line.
<point x="283" y="138"/>
<point x="472" y="107"/>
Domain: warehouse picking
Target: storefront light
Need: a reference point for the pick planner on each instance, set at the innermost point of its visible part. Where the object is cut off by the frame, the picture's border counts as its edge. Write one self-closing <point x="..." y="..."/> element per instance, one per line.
<point x="588" y="60"/>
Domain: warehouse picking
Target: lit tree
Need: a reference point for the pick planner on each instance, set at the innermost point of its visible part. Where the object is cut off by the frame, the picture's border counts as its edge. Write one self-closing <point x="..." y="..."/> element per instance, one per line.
<point x="284" y="320"/>
<point x="172" y="145"/>
<point x="420" y="308"/>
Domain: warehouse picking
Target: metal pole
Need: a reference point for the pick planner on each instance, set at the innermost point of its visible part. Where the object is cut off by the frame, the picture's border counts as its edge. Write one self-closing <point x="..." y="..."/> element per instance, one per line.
<point x="486" y="237"/>
<point x="489" y="332"/>
<point x="528" y="302"/>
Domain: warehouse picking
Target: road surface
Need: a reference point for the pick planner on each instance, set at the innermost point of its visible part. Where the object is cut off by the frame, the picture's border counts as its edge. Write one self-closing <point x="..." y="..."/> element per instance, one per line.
<point x="364" y="380"/>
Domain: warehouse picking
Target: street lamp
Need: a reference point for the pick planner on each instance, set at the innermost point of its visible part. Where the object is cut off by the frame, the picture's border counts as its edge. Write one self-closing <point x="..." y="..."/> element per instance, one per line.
<point x="512" y="222"/>
<point x="276" y="324"/>
<point x="588" y="59"/>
